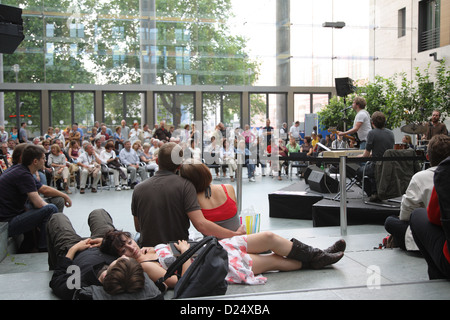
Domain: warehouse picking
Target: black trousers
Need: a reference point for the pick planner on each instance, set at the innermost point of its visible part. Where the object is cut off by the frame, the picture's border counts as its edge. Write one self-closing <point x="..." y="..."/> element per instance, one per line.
<point x="430" y="239"/>
<point x="61" y="235"/>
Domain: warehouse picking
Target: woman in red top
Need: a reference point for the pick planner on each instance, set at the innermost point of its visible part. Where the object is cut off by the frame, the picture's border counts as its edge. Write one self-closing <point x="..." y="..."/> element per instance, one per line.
<point x="431" y="227"/>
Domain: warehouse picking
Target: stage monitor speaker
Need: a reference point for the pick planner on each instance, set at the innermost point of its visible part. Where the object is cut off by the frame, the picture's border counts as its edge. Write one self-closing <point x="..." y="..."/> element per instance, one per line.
<point x="11" y="28"/>
<point x="308" y="171"/>
<point x="344" y="86"/>
<point x="321" y="182"/>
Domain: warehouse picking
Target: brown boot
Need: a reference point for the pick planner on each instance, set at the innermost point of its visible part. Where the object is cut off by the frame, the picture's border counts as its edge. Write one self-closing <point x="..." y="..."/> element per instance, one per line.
<point x="312" y="257"/>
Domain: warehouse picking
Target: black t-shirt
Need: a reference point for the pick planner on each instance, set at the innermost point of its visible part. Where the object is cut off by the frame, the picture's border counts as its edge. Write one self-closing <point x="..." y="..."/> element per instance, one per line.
<point x="15" y="184"/>
<point x="161" y="205"/>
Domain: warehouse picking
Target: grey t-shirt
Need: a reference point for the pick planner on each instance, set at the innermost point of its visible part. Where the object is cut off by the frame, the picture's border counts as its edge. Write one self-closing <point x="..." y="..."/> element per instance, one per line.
<point x="161" y="204"/>
<point x="380" y="140"/>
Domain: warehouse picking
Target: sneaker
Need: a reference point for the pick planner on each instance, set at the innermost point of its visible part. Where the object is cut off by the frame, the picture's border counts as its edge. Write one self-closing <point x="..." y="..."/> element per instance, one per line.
<point x="125" y="187"/>
<point x="252" y="179"/>
<point x="118" y="188"/>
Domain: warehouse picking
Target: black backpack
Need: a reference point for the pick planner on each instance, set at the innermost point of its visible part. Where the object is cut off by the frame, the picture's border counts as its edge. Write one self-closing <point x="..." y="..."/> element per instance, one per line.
<point x="206" y="275"/>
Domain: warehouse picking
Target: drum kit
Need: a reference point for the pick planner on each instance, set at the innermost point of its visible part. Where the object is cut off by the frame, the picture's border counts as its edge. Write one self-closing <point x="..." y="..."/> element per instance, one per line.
<point x="414" y="128"/>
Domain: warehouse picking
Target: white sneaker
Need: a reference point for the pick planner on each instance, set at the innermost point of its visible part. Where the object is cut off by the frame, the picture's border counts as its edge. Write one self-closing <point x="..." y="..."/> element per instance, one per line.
<point x="124" y="187"/>
<point x="118" y="188"/>
<point x="252" y="179"/>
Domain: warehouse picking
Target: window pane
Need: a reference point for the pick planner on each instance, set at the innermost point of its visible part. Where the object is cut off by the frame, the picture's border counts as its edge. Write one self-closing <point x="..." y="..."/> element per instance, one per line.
<point x="164" y="108"/>
<point x="211" y="114"/>
<point x="232" y="110"/>
<point x="113" y="109"/>
<point x="258" y="110"/>
<point x="134" y="103"/>
<point x="11" y="120"/>
<point x="319" y="102"/>
<point x="302" y="106"/>
<point x="61" y="110"/>
<point x="30" y="112"/>
<point x="84" y="110"/>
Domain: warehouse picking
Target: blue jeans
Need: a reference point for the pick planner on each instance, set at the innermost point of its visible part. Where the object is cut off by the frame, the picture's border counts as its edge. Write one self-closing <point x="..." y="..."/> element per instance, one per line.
<point x="31" y="219"/>
<point x="362" y="145"/>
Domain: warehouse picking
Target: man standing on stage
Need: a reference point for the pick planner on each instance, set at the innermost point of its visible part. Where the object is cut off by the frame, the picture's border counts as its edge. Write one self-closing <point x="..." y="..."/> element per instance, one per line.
<point x="361" y="125"/>
<point x="435" y="127"/>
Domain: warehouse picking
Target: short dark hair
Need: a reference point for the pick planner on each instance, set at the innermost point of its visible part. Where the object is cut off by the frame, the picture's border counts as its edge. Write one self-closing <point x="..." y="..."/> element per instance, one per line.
<point x="378" y="119"/>
<point x="196" y="172"/>
<point x="17" y="154"/>
<point x="113" y="241"/>
<point x="30" y="153"/>
<point x="438" y="149"/>
<point x="125" y="276"/>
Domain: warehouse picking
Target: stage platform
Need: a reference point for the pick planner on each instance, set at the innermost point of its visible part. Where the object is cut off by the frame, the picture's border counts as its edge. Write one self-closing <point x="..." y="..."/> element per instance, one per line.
<point x="298" y="201"/>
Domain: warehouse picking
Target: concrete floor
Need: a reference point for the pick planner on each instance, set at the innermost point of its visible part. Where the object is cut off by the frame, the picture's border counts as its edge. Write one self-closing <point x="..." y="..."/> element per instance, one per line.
<point x="365" y="273"/>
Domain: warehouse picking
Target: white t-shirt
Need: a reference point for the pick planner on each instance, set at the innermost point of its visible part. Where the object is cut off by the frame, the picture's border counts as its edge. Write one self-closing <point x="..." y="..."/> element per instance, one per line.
<point x="295" y="131"/>
<point x="364" y="117"/>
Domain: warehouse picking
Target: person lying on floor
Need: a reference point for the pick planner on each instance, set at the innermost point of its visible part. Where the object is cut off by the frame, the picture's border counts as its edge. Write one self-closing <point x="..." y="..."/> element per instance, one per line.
<point x="245" y="261"/>
<point x="68" y="251"/>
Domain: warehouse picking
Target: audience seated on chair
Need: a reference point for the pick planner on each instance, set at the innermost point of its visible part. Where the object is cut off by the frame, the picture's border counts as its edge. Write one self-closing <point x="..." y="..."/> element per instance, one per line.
<point x="111" y="164"/>
<point x="147" y="157"/>
<point x="58" y="162"/>
<point x="90" y="165"/>
<point x="130" y="159"/>
<point x="228" y="155"/>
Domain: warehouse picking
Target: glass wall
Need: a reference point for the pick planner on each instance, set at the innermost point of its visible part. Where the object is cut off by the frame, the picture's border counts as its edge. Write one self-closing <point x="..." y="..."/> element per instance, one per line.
<point x="71" y="107"/>
<point x="272" y="106"/>
<point x="120" y="106"/>
<point x="221" y="108"/>
<point x="176" y="109"/>
<point x="23" y="107"/>
<point x="192" y="42"/>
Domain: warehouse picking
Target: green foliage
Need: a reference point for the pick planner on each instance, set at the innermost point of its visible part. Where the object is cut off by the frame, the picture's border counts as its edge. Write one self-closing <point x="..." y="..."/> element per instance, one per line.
<point x="333" y="116"/>
<point x="400" y="99"/>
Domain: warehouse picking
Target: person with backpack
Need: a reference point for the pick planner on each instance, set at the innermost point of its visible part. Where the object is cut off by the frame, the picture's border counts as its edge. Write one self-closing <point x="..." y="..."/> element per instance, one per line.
<point x="245" y="263"/>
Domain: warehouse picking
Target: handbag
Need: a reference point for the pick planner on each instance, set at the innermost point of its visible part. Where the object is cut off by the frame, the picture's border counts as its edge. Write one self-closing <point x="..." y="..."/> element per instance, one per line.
<point x="206" y="275"/>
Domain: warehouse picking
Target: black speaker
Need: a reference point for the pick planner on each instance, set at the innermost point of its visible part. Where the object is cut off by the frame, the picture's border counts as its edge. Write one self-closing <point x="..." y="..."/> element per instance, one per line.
<point x="321" y="182"/>
<point x="344" y="86"/>
<point x="308" y="171"/>
<point x="11" y="28"/>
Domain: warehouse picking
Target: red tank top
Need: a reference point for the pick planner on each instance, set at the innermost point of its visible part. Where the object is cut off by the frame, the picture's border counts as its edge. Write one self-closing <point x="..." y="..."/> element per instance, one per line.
<point x="225" y="211"/>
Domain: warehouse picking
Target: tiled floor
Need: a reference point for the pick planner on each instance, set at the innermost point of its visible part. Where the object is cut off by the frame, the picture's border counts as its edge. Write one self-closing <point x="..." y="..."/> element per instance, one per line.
<point x="363" y="273"/>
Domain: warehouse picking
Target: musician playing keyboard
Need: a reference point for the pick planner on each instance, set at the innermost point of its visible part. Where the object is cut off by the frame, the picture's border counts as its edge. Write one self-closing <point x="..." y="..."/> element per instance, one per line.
<point x="379" y="139"/>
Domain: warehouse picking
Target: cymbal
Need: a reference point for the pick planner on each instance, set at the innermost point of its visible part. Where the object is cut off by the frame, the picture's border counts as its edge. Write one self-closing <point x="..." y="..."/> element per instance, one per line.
<point x="414" y="128"/>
